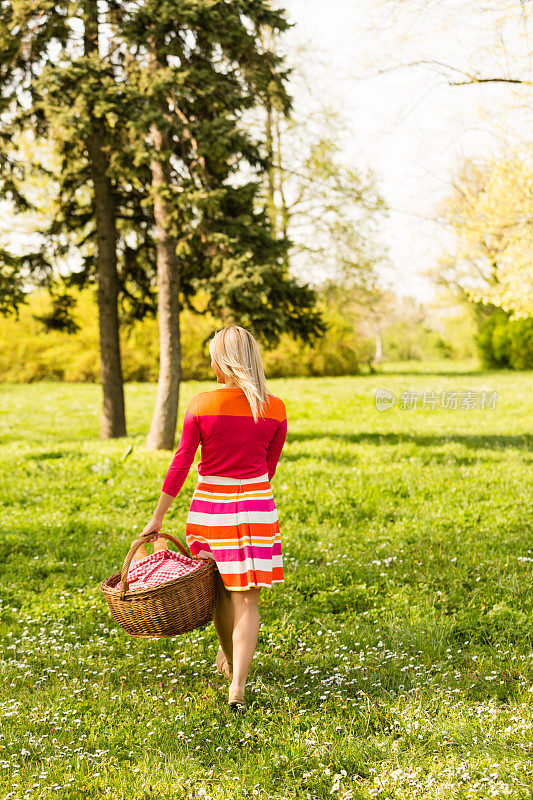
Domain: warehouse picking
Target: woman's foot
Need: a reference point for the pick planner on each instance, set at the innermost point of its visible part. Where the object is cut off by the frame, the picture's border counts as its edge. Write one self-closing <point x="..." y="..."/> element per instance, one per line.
<point x="236" y="699"/>
<point x="224" y="666"/>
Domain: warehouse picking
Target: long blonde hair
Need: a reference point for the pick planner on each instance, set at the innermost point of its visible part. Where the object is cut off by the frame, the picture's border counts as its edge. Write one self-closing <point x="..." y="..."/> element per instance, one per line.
<point x="234" y="350"/>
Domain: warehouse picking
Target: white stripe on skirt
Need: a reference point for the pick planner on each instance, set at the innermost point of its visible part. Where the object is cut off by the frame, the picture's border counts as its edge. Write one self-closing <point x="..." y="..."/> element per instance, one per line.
<point x="222" y="479"/>
<point x="239" y="518"/>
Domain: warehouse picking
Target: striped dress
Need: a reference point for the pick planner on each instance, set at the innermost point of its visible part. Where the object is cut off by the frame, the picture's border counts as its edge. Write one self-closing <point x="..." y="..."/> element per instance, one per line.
<point x="233" y="516"/>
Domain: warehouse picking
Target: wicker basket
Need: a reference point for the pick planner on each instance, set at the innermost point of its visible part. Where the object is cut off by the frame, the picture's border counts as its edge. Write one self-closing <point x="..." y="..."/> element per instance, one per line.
<point x="168" y="609"/>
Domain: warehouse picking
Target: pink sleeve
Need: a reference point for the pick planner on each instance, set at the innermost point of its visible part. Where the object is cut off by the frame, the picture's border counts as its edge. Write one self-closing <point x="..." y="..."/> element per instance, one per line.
<point x="184" y="455"/>
<point x="275" y="447"/>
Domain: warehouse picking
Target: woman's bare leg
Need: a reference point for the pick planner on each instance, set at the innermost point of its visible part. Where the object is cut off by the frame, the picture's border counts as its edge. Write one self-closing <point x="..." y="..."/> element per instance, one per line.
<point x="245" y="633"/>
<point x="223" y="619"/>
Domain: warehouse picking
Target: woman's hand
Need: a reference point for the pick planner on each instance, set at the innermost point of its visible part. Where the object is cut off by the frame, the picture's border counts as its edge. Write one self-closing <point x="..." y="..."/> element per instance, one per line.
<point x="156" y="523"/>
<point x="205" y="554"/>
<point x="154" y="526"/>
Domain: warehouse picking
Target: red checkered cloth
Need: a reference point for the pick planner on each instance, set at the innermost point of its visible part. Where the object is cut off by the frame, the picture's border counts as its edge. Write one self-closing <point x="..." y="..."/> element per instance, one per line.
<point x="159" y="567"/>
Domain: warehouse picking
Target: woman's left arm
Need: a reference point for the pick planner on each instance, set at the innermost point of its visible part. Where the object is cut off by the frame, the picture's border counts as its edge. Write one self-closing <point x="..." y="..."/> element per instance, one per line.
<point x="275" y="447"/>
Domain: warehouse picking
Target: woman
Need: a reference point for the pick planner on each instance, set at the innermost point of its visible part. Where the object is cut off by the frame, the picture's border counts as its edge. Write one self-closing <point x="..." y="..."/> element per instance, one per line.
<point x="233" y="517"/>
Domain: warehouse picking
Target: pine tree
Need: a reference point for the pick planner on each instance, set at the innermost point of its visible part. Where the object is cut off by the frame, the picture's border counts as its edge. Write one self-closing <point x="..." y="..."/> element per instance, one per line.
<point x="198" y="66"/>
<point x="59" y="85"/>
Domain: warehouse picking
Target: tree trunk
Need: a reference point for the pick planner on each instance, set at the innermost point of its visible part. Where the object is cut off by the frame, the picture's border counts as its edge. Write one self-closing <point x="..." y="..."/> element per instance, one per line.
<point x="113" y="423"/>
<point x="271" y="180"/>
<point x="163" y="427"/>
<point x="379" y="344"/>
<point x="284" y="211"/>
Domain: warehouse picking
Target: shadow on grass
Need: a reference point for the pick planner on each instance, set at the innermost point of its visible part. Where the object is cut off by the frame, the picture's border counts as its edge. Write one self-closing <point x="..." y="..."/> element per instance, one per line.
<point x="49" y="455"/>
<point x="471" y="373"/>
<point x="482" y="442"/>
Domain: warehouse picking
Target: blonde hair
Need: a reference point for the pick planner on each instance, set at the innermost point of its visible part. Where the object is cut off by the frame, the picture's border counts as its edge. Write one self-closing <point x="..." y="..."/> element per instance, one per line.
<point x="234" y="350"/>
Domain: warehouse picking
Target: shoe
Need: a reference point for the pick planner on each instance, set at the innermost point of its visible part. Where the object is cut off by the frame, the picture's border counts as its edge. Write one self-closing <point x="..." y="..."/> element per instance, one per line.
<point x="236" y="700"/>
<point x="223" y="665"/>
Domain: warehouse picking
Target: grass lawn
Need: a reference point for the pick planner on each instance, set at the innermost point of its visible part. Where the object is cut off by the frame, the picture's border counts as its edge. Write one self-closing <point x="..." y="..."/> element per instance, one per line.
<point x="394" y="662"/>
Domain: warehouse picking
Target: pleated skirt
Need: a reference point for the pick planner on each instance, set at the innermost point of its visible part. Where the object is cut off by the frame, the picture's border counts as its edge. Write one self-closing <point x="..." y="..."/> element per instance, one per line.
<point x="236" y="522"/>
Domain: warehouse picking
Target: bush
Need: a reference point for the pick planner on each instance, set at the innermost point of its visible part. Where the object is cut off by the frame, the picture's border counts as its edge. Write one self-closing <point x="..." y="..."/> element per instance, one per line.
<point x="504" y="343"/>
<point x="521" y="344"/>
<point x="29" y="353"/>
<point x="407" y="341"/>
<point x="339" y="352"/>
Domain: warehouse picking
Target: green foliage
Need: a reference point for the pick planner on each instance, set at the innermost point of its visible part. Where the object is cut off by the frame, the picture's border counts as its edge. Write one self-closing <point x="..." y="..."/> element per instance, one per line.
<point x="28" y="353"/>
<point x="12" y="294"/>
<point x="405" y="341"/>
<point x="341" y="351"/>
<point x="60" y="317"/>
<point x="395" y="661"/>
<point x="182" y="76"/>
<point x="74" y="98"/>
<point x="459" y="332"/>
<point x="506" y="343"/>
<point x="521" y="347"/>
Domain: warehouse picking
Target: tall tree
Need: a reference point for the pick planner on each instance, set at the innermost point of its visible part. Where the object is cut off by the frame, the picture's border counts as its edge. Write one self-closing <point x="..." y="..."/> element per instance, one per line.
<point x="163" y="425"/>
<point x="104" y="210"/>
<point x="150" y="116"/>
<point x="68" y="91"/>
<point x="197" y="66"/>
<point x="490" y="210"/>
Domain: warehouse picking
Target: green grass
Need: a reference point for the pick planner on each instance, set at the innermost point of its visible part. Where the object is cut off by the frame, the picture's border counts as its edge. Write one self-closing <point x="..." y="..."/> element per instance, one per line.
<point x="394" y="662"/>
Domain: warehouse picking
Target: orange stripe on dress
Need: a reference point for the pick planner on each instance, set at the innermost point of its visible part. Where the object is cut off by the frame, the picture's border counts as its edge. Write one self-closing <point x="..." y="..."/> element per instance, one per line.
<point x="233" y="532"/>
<point x="236" y="497"/>
<point x="229" y="488"/>
<point x="235" y="404"/>
<point x="245" y="578"/>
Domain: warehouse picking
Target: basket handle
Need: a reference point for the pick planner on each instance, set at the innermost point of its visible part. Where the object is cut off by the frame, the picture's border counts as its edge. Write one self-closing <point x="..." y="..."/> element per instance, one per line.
<point x="148" y="537"/>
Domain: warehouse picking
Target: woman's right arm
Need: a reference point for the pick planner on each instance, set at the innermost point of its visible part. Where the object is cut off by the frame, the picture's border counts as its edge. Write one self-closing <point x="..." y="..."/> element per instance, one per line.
<point x="156" y="523"/>
<point x="179" y="468"/>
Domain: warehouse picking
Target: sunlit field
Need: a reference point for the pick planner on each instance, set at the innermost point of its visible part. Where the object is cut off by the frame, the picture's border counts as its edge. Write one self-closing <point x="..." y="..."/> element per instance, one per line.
<point x="395" y="661"/>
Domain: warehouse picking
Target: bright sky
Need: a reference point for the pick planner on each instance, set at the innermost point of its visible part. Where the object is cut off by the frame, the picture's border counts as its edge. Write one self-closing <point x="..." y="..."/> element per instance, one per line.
<point x="408" y="125"/>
